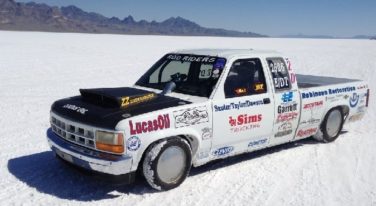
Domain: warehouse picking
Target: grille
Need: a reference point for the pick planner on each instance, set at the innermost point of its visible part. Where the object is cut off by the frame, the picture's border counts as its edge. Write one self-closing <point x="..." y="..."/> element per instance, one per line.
<point x="73" y="132"/>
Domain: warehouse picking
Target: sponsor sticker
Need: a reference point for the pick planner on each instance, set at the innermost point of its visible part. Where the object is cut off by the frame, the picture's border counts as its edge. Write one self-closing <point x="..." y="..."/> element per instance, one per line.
<point x="287" y="97"/>
<point x="306" y="95"/>
<point x="310" y="121"/>
<point x="287" y="108"/>
<point x="128" y="101"/>
<point x="354" y="99"/>
<point x="223" y="151"/>
<point x="191" y="116"/>
<point x="313" y="105"/>
<point x="206" y="133"/>
<point x="75" y="108"/>
<point x="159" y="123"/>
<point x="133" y="143"/>
<point x="237" y="106"/>
<point x="306" y="132"/>
<point x="287" y="117"/>
<point x="257" y="142"/>
<point x="188" y="58"/>
<point x="244" y="122"/>
<point x="284" y="129"/>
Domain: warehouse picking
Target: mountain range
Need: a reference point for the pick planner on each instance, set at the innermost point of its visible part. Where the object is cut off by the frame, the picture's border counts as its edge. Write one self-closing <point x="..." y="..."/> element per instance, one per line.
<point x="41" y="17"/>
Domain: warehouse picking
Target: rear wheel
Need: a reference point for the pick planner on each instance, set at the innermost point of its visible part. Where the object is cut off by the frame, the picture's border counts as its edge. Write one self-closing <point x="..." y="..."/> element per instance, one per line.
<point x="332" y="125"/>
<point x="167" y="163"/>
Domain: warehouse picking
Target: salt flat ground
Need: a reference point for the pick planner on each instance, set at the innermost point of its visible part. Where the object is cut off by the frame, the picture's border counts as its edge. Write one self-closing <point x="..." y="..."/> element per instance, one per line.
<point x="38" y="68"/>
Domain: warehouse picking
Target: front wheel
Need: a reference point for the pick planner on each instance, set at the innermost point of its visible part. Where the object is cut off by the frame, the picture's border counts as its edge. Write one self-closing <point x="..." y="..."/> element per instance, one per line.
<point x="167" y="163"/>
<point x="332" y="125"/>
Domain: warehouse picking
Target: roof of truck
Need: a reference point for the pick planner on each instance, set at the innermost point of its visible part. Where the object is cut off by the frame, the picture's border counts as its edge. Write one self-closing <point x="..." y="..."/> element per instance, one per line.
<point x="227" y="52"/>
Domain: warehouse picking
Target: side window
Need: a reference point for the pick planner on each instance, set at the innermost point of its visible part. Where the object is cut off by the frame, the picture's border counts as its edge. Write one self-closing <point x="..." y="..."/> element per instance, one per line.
<point x="246" y="77"/>
<point x="279" y="73"/>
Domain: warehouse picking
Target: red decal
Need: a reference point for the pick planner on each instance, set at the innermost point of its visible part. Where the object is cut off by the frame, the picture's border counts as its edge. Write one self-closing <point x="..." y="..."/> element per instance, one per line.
<point x="306" y="132"/>
<point x="161" y="122"/>
<point x="287" y="117"/>
<point x="313" y="104"/>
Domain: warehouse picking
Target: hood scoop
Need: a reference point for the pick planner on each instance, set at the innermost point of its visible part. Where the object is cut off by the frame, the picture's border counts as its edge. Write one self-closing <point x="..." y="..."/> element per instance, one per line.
<point x="117" y="97"/>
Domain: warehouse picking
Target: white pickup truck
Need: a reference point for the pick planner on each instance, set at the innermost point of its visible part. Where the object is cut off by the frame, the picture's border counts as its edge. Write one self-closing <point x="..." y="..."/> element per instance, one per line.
<point x="195" y="106"/>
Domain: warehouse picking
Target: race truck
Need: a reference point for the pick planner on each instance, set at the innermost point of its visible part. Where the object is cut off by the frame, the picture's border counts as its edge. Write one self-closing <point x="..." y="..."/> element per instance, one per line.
<point x="195" y="106"/>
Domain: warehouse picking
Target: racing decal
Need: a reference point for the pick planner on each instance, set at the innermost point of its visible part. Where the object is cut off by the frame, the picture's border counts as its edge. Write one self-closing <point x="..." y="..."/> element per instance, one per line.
<point x="287" y="117"/>
<point x="287" y="97"/>
<point x="287" y="108"/>
<point x="240" y="91"/>
<point x="191" y="116"/>
<point x="159" y="123"/>
<point x="354" y="99"/>
<point x="310" y="121"/>
<point x="257" y="142"/>
<point x="237" y="106"/>
<point x="284" y="129"/>
<point x="206" y="133"/>
<point x="75" y="108"/>
<point x="313" y="105"/>
<point x="362" y="87"/>
<point x="306" y="95"/>
<point x="259" y="87"/>
<point x="128" y="101"/>
<point x="189" y="58"/>
<point x="306" y="132"/>
<point x="223" y="151"/>
<point x="133" y="143"/>
<point x="292" y="75"/>
<point x="279" y="73"/>
<point x="244" y="122"/>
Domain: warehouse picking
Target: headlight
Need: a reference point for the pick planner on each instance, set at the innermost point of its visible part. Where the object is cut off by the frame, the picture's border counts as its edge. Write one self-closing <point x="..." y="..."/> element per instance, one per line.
<point x="109" y="141"/>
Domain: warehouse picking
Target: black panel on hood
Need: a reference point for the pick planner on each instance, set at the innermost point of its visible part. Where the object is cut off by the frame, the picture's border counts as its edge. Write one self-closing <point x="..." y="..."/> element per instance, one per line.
<point x="100" y="107"/>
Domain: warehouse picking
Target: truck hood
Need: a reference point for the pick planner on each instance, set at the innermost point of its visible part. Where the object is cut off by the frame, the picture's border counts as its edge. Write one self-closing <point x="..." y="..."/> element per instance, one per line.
<point x="105" y="107"/>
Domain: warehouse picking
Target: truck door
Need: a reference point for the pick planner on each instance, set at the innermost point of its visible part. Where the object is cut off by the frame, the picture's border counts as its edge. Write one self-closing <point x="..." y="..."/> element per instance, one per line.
<point x="286" y="100"/>
<point x="243" y="119"/>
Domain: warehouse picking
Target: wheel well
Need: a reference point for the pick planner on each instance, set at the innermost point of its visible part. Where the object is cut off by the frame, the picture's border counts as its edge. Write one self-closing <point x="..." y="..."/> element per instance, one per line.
<point x="193" y="142"/>
<point x="345" y="110"/>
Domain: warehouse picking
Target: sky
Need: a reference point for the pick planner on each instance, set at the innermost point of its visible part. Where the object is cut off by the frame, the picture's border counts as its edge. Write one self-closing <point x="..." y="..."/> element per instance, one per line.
<point x="340" y="18"/>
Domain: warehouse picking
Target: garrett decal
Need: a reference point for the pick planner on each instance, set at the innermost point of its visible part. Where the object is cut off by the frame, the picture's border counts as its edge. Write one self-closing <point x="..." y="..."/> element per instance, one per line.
<point x="284" y="129"/>
<point x="206" y="133"/>
<point x="288" y="108"/>
<point x="75" y="108"/>
<point x="287" y="117"/>
<point x="128" y="101"/>
<point x="191" y="116"/>
<point x="354" y="99"/>
<point x="160" y="123"/>
<point x="133" y="143"/>
<point x="306" y="132"/>
<point x="223" y="151"/>
<point x="312" y="105"/>
<point x="244" y="122"/>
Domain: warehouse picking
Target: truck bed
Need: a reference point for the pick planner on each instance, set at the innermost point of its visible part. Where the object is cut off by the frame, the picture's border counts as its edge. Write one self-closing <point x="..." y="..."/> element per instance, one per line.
<point x="309" y="81"/>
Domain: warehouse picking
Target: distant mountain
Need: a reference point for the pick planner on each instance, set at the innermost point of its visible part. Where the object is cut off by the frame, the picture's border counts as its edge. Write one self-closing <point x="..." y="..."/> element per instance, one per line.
<point x="307" y="36"/>
<point x="41" y="17"/>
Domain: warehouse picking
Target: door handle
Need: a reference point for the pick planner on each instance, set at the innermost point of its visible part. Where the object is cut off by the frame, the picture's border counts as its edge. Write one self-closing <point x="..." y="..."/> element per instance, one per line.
<point x="266" y="101"/>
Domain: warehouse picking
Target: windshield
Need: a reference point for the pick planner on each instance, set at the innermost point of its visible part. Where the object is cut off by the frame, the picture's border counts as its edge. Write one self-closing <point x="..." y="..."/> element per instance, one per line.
<point x="198" y="74"/>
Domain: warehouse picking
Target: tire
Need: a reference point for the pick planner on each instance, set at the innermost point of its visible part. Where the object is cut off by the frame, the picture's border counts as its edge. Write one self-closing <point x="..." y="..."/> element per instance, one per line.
<point x="331" y="126"/>
<point x="167" y="163"/>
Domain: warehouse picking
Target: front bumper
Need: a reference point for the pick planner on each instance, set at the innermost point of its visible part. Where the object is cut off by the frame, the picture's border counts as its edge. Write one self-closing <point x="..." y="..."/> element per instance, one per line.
<point x="89" y="159"/>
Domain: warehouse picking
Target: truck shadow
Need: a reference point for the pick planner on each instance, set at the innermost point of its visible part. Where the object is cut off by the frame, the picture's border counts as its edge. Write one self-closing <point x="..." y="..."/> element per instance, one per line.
<point x="45" y="173"/>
